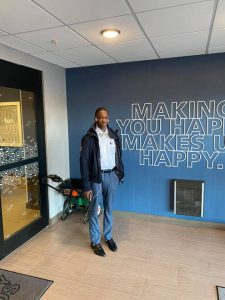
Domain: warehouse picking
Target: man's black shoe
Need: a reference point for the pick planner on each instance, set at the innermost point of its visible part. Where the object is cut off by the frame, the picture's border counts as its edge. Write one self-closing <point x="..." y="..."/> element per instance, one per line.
<point x="98" y="249"/>
<point x="112" y="245"/>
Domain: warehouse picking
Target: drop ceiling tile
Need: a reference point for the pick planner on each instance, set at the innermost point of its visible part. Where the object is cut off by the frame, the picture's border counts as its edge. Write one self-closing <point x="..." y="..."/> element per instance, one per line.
<point x="129" y="30"/>
<point x="181" y="53"/>
<point x="181" y="42"/>
<point x="141" y="5"/>
<point x="65" y="37"/>
<point x="135" y="58"/>
<point x="128" y="50"/>
<point x="23" y="15"/>
<point x="18" y="44"/>
<point x="220" y="15"/>
<point x="85" y="56"/>
<point x="217" y="50"/>
<point x="180" y="19"/>
<point x="3" y="33"/>
<point x="217" y="38"/>
<point x="74" y="11"/>
<point x="54" y="59"/>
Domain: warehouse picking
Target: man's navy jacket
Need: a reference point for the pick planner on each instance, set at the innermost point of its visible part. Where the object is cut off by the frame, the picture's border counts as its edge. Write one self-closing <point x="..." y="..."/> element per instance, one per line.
<point x="90" y="166"/>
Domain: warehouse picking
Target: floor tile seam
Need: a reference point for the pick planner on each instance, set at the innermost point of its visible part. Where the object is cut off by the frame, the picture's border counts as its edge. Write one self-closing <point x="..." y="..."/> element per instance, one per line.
<point x="126" y="277"/>
<point x="106" y="289"/>
<point x="174" y="289"/>
<point x="204" y="240"/>
<point x="173" y="261"/>
<point x="209" y="277"/>
<point x="152" y="263"/>
<point x="160" y="238"/>
<point x="130" y="256"/>
<point x="211" y="257"/>
<point x="146" y="277"/>
<point x="142" y="290"/>
<point x="162" y="285"/>
<point x="203" y="243"/>
<point x="89" y="269"/>
<point x="213" y="276"/>
<point x="181" y="289"/>
<point x="49" y="254"/>
<point x="114" y="290"/>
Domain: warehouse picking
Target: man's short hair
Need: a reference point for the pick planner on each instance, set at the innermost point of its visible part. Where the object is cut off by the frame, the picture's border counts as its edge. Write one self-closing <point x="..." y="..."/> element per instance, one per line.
<point x="100" y="109"/>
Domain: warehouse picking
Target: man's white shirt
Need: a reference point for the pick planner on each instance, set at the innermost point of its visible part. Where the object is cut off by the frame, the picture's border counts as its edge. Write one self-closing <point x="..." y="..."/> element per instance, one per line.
<point x="107" y="149"/>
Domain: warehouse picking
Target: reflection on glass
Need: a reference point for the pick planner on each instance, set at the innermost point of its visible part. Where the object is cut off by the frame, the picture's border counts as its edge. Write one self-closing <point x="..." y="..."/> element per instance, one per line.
<point x="10" y="124"/>
<point x="19" y="192"/>
<point x="17" y="111"/>
<point x="19" y="187"/>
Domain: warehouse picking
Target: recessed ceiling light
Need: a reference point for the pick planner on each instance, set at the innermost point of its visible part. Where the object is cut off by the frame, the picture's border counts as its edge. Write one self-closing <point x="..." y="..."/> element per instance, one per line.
<point x="110" y="33"/>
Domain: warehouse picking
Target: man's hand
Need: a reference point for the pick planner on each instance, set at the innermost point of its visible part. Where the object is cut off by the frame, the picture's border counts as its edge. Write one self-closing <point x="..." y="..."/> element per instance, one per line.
<point x="88" y="195"/>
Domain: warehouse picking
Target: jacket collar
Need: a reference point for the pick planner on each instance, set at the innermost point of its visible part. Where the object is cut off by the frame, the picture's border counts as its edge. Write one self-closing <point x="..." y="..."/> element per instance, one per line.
<point x="100" y="132"/>
<point x="92" y="131"/>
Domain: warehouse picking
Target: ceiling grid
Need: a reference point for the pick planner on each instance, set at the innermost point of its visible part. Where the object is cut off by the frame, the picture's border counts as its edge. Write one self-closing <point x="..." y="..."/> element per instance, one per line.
<point x="67" y="33"/>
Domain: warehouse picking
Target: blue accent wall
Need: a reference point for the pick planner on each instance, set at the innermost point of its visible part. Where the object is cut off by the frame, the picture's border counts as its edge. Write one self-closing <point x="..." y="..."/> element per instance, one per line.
<point x="158" y="83"/>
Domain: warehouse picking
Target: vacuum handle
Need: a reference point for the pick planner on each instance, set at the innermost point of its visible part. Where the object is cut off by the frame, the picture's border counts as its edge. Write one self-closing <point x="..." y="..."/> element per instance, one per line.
<point x="54" y="178"/>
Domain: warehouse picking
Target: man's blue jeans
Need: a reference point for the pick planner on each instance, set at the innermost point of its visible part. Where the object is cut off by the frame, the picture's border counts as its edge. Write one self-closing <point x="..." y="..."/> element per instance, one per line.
<point x="106" y="190"/>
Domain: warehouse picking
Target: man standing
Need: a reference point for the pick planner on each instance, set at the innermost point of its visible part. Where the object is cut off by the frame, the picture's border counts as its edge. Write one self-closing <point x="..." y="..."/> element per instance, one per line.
<point x="101" y="171"/>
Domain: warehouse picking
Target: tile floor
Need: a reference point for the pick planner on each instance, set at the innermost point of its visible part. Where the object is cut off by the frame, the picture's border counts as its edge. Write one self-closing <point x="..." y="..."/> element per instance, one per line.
<point x="157" y="259"/>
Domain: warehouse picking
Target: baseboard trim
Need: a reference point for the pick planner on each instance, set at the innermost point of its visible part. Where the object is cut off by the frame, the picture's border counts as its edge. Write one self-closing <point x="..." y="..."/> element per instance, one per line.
<point x="161" y="219"/>
<point x="55" y="219"/>
<point x="153" y="218"/>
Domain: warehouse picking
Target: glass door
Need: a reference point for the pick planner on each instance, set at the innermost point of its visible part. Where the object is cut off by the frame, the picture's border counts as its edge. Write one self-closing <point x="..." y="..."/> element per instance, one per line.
<point x="23" y="200"/>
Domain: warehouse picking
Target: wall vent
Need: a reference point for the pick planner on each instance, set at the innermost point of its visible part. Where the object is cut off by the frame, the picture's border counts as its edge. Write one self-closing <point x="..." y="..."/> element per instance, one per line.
<point x="188" y="196"/>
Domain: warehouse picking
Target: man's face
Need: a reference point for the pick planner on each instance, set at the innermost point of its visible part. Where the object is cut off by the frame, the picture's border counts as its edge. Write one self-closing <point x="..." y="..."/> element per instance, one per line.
<point x="102" y="119"/>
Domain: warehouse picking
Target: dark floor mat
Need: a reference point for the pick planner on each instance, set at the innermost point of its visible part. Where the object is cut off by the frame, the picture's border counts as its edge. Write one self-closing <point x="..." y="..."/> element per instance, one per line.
<point x="17" y="286"/>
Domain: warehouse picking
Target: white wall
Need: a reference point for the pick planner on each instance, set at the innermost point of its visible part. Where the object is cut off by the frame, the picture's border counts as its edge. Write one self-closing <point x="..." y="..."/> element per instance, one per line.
<point x="56" y="123"/>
